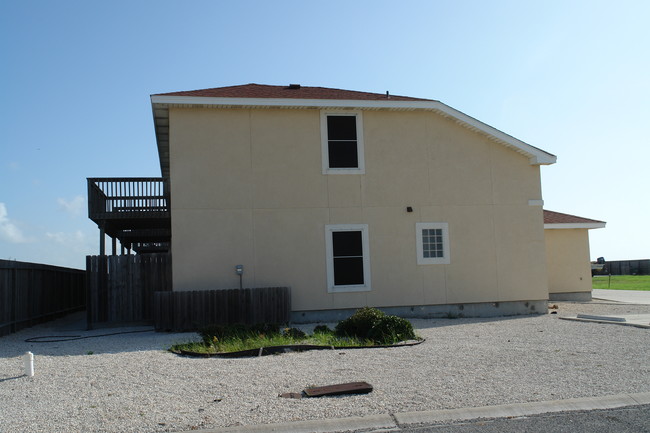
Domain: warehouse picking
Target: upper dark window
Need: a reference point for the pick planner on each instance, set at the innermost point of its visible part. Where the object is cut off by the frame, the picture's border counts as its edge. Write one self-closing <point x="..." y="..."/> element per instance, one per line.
<point x="342" y="143"/>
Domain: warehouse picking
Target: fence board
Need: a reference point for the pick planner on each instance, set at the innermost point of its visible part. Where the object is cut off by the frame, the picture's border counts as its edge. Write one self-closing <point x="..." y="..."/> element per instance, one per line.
<point x="33" y="293"/>
<point x="628" y="267"/>
<point x="189" y="310"/>
<point x="120" y="288"/>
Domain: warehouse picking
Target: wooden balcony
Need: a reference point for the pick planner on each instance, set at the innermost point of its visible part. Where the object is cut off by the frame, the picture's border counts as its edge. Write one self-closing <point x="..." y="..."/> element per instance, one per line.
<point x="134" y="210"/>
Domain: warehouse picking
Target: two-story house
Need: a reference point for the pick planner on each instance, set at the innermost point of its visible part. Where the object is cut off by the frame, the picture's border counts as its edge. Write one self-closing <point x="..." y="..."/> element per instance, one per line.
<point x="351" y="199"/>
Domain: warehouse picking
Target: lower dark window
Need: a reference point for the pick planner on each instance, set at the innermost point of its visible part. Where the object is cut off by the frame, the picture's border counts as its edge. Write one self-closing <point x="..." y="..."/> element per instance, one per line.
<point x="347" y="248"/>
<point x="348" y="258"/>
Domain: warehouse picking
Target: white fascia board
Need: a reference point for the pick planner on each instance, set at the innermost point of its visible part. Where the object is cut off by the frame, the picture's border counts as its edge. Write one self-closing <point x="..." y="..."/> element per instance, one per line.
<point x="536" y="156"/>
<point x="575" y="226"/>
<point x="290" y="102"/>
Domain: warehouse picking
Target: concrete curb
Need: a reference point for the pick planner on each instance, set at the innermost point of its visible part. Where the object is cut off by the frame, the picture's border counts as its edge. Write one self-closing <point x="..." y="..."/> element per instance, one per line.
<point x="386" y="422"/>
<point x="371" y="422"/>
<point x="524" y="409"/>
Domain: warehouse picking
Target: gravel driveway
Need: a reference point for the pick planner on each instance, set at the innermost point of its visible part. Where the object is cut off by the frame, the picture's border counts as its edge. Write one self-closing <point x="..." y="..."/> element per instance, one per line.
<point x="129" y="383"/>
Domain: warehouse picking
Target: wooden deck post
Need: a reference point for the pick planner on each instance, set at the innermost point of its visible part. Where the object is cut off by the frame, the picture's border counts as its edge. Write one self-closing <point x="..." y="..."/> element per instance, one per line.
<point x="102" y="240"/>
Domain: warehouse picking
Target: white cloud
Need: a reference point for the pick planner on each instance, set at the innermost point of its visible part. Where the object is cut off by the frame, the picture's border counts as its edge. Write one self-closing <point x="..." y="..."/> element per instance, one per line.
<point x="8" y="230"/>
<point x="70" y="239"/>
<point x="74" y="207"/>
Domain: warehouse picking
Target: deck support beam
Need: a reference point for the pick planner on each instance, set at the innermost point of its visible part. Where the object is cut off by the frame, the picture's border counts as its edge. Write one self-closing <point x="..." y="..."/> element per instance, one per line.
<point x="102" y="240"/>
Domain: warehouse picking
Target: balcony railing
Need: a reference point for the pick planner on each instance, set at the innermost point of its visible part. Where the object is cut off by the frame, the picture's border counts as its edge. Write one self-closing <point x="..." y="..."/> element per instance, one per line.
<point x="134" y="197"/>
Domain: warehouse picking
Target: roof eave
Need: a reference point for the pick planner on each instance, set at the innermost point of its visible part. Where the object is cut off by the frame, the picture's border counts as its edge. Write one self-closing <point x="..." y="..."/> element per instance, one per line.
<point x="589" y="226"/>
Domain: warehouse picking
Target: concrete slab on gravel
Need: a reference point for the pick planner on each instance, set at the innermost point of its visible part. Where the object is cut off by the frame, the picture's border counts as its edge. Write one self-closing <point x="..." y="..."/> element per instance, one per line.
<point x="638" y="320"/>
<point x="626" y="296"/>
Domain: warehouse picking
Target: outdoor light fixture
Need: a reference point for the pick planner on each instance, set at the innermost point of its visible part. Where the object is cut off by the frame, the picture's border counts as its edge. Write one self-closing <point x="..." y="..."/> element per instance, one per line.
<point x="239" y="270"/>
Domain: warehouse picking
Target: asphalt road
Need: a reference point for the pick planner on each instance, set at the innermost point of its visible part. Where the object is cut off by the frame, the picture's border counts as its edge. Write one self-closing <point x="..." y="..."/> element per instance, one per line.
<point x="632" y="419"/>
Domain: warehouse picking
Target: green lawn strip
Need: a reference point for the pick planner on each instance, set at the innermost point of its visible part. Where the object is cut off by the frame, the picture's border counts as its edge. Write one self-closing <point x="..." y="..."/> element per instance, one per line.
<point x="621" y="282"/>
<point x="367" y="327"/>
<point x="236" y="344"/>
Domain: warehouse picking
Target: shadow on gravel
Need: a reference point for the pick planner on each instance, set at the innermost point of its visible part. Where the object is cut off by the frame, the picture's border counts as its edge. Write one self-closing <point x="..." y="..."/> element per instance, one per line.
<point x="459" y="321"/>
<point x="68" y="337"/>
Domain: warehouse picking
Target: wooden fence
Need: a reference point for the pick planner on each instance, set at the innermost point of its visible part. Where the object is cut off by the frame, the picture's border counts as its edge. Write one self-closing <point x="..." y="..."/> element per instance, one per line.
<point x="32" y="293"/>
<point x="628" y="267"/>
<point x="189" y="310"/>
<point x="121" y="288"/>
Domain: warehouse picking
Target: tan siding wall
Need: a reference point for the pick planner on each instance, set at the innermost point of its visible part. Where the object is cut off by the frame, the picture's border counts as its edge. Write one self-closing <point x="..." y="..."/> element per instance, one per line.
<point x="248" y="188"/>
<point x="567" y="255"/>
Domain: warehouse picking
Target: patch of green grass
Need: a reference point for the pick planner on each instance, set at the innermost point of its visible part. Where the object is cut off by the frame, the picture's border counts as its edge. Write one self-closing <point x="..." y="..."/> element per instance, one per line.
<point x="367" y="327"/>
<point x="622" y="282"/>
<point x="237" y="343"/>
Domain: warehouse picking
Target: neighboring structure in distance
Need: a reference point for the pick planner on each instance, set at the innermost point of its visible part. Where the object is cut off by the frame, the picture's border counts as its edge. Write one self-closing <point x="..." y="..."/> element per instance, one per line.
<point x="353" y="199"/>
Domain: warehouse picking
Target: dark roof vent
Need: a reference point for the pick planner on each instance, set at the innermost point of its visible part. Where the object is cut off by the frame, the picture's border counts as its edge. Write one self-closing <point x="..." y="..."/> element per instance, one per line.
<point x="294" y="86"/>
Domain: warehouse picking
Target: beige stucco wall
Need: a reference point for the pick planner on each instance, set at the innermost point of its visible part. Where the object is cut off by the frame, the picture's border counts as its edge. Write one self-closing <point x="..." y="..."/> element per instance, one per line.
<point x="247" y="188"/>
<point x="567" y="257"/>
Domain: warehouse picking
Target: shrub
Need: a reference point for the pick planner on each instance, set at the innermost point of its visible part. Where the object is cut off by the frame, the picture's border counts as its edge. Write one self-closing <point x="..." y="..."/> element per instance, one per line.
<point x="266" y="329"/>
<point x="322" y="329"/>
<point x="375" y="325"/>
<point x="294" y="333"/>
<point x="360" y="323"/>
<point x="391" y="329"/>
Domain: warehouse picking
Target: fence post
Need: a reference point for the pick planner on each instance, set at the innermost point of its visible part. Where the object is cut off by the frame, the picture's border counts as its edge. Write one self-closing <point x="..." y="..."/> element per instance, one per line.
<point x="14" y="293"/>
<point x="89" y="304"/>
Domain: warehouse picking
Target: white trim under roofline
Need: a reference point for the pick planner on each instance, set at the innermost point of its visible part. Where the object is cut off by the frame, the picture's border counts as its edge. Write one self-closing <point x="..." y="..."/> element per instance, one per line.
<point x="535" y="155"/>
<point x="575" y="226"/>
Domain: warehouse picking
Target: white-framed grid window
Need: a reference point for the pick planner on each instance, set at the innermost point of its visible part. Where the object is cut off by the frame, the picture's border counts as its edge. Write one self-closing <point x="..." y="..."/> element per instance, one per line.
<point x="348" y="258"/>
<point x="342" y="142"/>
<point x="432" y="243"/>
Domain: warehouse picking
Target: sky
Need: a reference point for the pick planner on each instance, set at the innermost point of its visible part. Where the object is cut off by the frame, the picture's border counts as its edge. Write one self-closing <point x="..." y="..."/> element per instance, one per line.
<point x="570" y="77"/>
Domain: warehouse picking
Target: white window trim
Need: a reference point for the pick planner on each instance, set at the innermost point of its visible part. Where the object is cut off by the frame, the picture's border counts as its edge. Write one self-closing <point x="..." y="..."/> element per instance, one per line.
<point x="329" y="252"/>
<point x="446" y="259"/>
<point x="361" y="169"/>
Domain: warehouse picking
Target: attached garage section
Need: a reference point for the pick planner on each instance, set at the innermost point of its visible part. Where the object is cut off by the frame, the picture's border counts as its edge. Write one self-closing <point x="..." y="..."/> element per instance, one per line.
<point x="567" y="255"/>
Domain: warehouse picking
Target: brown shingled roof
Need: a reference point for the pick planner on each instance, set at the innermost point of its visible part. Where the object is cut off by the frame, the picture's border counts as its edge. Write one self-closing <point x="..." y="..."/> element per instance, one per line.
<point x="289" y="92"/>
<point x="551" y="217"/>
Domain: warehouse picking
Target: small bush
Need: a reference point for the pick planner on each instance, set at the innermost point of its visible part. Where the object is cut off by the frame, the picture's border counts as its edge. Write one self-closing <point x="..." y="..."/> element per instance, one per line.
<point x="322" y="329"/>
<point x="294" y="333"/>
<point x="391" y="329"/>
<point x="360" y="323"/>
<point x="376" y="326"/>
<point x="266" y="329"/>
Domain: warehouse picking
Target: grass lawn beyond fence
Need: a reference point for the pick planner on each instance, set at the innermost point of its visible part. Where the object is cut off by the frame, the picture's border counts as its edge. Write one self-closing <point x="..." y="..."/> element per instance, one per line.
<point x="621" y="282"/>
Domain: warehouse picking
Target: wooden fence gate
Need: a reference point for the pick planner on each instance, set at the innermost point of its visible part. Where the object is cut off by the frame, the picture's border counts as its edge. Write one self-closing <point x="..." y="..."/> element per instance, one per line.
<point x="120" y="288"/>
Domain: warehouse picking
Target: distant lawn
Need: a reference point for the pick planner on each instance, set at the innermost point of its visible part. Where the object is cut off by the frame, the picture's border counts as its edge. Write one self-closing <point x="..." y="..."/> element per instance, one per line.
<point x="622" y="282"/>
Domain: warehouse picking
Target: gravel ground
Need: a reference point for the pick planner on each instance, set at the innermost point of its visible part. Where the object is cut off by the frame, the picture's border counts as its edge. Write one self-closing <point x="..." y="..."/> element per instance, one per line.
<point x="129" y="383"/>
